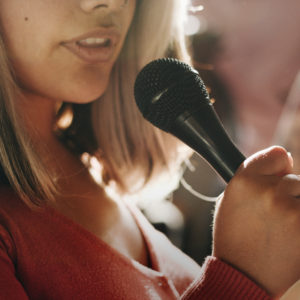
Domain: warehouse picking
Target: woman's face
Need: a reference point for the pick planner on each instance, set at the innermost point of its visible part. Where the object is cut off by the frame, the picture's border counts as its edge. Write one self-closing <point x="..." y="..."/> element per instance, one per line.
<point x="65" y="49"/>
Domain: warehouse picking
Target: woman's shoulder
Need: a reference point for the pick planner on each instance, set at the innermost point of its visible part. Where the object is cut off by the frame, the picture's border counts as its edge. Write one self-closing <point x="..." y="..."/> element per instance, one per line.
<point x="10" y="203"/>
<point x="8" y="198"/>
<point x="15" y="215"/>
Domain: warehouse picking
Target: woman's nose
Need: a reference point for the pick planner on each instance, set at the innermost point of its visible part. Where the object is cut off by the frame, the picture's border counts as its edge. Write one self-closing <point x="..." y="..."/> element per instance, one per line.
<point x="91" y="5"/>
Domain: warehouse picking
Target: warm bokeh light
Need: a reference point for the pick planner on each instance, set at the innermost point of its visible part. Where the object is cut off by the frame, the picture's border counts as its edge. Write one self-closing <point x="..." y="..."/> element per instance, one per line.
<point x="196" y="9"/>
<point x="195" y="25"/>
<point x="66" y="119"/>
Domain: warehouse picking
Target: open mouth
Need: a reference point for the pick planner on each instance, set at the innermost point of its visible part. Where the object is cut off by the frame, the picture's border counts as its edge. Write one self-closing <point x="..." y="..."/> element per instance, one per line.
<point x="96" y="46"/>
<point x="94" y="42"/>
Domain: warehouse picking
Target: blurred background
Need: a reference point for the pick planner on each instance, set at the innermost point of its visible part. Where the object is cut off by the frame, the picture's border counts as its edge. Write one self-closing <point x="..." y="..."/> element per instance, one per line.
<point x="248" y="54"/>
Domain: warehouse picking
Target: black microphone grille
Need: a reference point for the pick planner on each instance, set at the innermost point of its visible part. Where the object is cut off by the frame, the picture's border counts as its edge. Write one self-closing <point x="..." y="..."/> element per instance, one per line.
<point x="166" y="88"/>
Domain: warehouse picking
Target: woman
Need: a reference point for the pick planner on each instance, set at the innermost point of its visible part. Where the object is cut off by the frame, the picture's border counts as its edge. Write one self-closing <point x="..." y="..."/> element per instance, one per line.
<point x="63" y="234"/>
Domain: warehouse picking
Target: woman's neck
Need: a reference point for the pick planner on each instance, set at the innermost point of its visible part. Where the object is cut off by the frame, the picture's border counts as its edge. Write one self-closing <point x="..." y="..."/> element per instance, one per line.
<point x="38" y="115"/>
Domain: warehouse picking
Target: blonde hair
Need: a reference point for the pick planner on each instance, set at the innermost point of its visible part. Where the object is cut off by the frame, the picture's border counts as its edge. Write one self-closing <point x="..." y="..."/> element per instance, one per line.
<point x="132" y="152"/>
<point x="20" y="166"/>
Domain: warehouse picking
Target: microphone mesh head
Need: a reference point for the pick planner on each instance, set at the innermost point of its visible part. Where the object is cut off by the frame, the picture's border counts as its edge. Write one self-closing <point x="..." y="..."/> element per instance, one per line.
<point x="166" y="88"/>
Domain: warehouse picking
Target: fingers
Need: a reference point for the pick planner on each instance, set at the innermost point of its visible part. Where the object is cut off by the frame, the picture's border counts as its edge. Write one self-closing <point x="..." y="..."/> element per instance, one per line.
<point x="268" y="174"/>
<point x="271" y="161"/>
<point x="290" y="185"/>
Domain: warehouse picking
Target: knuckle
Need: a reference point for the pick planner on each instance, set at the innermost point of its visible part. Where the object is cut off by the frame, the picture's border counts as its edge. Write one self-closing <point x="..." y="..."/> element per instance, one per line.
<point x="284" y="200"/>
<point x="289" y="185"/>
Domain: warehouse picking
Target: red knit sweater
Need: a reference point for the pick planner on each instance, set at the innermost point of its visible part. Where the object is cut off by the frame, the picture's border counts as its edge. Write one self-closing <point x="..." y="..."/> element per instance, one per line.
<point x="44" y="255"/>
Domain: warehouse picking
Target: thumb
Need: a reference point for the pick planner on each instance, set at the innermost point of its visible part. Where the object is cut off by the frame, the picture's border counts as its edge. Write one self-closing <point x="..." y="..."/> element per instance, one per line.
<point x="271" y="161"/>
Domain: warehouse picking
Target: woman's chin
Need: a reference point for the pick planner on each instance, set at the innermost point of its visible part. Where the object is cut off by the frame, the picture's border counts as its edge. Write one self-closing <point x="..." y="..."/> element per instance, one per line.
<point x="84" y="97"/>
<point x="82" y="100"/>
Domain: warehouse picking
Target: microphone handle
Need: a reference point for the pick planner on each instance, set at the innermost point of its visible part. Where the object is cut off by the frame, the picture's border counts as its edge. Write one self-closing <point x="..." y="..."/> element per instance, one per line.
<point x="204" y="133"/>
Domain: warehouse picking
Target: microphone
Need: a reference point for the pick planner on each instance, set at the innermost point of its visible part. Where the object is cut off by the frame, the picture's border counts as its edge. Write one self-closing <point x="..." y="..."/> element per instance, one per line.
<point x="171" y="95"/>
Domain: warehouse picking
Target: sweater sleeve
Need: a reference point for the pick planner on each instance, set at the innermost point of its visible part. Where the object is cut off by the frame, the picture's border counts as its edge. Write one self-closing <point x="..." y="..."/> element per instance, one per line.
<point x="218" y="280"/>
<point x="10" y="286"/>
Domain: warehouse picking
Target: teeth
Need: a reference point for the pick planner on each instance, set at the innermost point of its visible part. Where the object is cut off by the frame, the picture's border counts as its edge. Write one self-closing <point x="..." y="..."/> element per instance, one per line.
<point x="94" y="41"/>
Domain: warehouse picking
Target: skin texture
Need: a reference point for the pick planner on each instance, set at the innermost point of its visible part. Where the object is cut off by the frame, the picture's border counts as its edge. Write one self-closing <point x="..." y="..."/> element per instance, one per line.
<point x="257" y="221"/>
<point x="256" y="217"/>
<point x="292" y="293"/>
<point x="47" y="72"/>
<point x="34" y="32"/>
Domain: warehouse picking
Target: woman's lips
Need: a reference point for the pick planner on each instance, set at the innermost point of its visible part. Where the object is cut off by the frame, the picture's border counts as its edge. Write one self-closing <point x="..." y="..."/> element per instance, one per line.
<point x="96" y="46"/>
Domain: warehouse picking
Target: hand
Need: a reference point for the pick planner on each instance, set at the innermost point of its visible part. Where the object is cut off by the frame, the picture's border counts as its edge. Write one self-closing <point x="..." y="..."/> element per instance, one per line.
<point x="257" y="221"/>
<point x="292" y="293"/>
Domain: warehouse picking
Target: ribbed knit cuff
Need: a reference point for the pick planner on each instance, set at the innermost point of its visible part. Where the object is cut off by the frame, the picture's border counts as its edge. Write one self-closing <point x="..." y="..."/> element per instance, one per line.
<point x="219" y="280"/>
